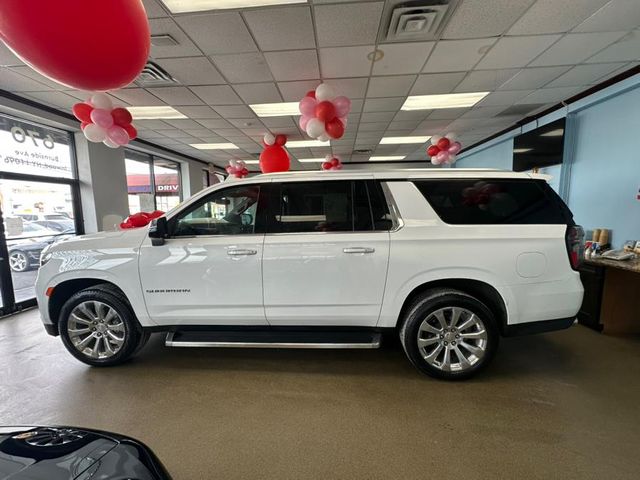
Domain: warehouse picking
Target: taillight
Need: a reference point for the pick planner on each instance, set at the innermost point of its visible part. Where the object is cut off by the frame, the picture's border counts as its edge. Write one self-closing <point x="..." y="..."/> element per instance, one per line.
<point x="575" y="245"/>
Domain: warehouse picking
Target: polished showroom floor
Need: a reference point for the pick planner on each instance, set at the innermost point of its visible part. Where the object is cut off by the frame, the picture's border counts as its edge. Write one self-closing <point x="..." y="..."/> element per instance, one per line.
<point x="563" y="405"/>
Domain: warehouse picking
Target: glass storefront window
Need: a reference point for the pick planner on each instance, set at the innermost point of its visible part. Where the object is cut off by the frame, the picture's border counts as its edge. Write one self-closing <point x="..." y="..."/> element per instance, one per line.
<point x="139" y="186"/>
<point x="153" y="183"/>
<point x="167" y="182"/>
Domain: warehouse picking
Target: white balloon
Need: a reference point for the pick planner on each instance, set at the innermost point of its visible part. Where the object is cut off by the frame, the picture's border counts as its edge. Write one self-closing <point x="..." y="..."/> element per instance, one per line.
<point x="315" y="128"/>
<point x="110" y="144"/>
<point x="452" y="159"/>
<point x="269" y="139"/>
<point x="452" y="136"/>
<point x="323" y="138"/>
<point x="435" y="139"/>
<point x="94" y="133"/>
<point x="324" y="92"/>
<point x="101" y="100"/>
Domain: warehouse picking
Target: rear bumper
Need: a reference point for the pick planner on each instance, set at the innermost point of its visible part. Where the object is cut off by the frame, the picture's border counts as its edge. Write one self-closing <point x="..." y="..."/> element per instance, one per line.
<point x="532" y="328"/>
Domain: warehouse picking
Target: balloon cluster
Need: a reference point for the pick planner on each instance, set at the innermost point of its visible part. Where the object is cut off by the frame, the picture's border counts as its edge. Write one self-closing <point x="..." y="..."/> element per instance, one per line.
<point x="332" y="162"/>
<point x="444" y="149"/>
<point x="480" y="194"/>
<point x="140" y="219"/>
<point x="103" y="123"/>
<point x="274" y="158"/>
<point x="324" y="115"/>
<point x="237" y="168"/>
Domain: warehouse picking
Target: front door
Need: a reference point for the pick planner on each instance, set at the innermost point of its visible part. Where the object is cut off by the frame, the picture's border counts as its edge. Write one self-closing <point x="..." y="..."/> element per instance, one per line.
<point x="209" y="271"/>
<point x="325" y="255"/>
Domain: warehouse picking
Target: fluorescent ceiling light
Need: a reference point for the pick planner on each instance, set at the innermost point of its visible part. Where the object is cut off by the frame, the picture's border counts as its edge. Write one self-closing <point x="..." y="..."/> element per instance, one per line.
<point x="307" y="143"/>
<point x="522" y="150"/>
<point x="275" y="109"/>
<point x="311" y="160"/>
<point x="399" y="140"/>
<point x="554" y="133"/>
<point x="152" y="113"/>
<point x="182" y="6"/>
<point x="251" y="162"/>
<point x="214" y="146"/>
<point x="449" y="100"/>
<point x="382" y="158"/>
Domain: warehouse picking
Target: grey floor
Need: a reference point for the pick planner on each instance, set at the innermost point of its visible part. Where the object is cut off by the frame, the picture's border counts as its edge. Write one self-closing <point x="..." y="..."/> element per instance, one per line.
<point x="562" y="405"/>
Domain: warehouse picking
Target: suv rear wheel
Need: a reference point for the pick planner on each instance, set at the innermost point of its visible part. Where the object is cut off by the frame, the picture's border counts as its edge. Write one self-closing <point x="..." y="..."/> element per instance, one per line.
<point x="99" y="328"/>
<point x="449" y="334"/>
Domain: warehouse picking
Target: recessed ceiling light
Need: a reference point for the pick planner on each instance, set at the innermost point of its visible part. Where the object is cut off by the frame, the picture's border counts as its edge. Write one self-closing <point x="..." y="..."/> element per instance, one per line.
<point x="282" y="109"/>
<point x="152" y="113"/>
<point x="182" y="6"/>
<point x="553" y="133"/>
<point x="382" y="158"/>
<point x="449" y="100"/>
<point x="522" y="150"/>
<point x="311" y="160"/>
<point x="307" y="143"/>
<point x="214" y="146"/>
<point x="399" y="140"/>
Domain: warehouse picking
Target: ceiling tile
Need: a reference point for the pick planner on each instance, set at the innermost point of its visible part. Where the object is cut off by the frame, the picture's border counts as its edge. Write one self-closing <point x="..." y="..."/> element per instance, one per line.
<point x="52" y="98"/>
<point x="183" y="123"/>
<point x="584" y="74"/>
<point x="192" y="70"/>
<point x="349" y="87"/>
<point x="217" y="95"/>
<point x="184" y="48"/>
<point x="281" y="28"/>
<point x="15" y="82"/>
<point x="335" y="25"/>
<point x="154" y="9"/>
<point x="32" y="74"/>
<point x="218" y="33"/>
<point x="507" y="97"/>
<point x="293" y="65"/>
<point x="368" y="117"/>
<point x="392" y="104"/>
<point x="545" y="95"/>
<point x="511" y="52"/>
<point x="484" y="18"/>
<point x="243" y="67"/>
<point x="138" y="97"/>
<point x="401" y="58"/>
<point x="234" y="111"/>
<point x="7" y="57"/>
<point x="396" y="86"/>
<point x="485" y="80"/>
<point x="530" y="78"/>
<point x="154" y="124"/>
<point x="198" y="112"/>
<point x="622" y="69"/>
<point x="345" y="61"/>
<point x="215" y="123"/>
<point x="483" y="112"/>
<point x="294" y="91"/>
<point x="615" y="15"/>
<point x="447" y="113"/>
<point x="576" y="47"/>
<point x="275" y="122"/>
<point x="435" y="83"/>
<point x="258" y="93"/>
<point x="457" y="55"/>
<point x="626" y="49"/>
<point x="373" y="127"/>
<point x="175" y="95"/>
<point x="553" y="16"/>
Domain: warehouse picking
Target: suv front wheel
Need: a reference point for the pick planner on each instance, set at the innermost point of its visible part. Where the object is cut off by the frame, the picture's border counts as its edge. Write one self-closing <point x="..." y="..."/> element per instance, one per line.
<point x="449" y="334"/>
<point x="99" y="328"/>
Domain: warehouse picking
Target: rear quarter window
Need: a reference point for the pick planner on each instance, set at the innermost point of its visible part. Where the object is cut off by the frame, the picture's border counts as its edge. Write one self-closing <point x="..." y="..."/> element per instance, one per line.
<point x="494" y="201"/>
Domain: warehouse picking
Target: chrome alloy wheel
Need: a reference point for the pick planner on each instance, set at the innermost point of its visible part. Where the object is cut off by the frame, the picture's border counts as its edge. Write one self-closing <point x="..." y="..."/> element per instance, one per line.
<point x="18" y="261"/>
<point x="452" y="339"/>
<point x="96" y="330"/>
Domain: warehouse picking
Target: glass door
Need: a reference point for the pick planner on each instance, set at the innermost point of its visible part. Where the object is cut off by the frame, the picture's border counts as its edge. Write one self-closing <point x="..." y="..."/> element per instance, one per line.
<point x="153" y="183"/>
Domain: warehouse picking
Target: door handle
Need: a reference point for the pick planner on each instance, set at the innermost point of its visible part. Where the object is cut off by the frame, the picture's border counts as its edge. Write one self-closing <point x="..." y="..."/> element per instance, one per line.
<point x="358" y="250"/>
<point x="238" y="252"/>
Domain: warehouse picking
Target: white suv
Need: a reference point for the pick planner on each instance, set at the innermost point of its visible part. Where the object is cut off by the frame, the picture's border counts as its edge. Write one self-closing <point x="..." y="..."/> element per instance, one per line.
<point x="450" y="259"/>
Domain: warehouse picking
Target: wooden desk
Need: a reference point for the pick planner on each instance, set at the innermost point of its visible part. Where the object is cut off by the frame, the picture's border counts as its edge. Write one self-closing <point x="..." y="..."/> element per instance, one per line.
<point x="620" y="310"/>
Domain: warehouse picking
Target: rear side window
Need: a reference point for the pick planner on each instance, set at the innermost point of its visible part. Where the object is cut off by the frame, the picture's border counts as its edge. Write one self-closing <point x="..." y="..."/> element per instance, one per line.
<point x="494" y="201"/>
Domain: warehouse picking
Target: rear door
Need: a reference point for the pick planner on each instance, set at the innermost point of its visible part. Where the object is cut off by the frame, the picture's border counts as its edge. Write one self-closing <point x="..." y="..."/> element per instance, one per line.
<point x="325" y="253"/>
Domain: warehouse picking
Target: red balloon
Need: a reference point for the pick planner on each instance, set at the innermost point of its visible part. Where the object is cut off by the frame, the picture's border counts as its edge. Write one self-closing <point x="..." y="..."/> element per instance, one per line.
<point x="131" y="131"/>
<point x="156" y="214"/>
<point x="325" y="111"/>
<point x="274" y="158"/>
<point x="335" y="162"/>
<point x="334" y="128"/>
<point x="88" y="45"/>
<point x="444" y="143"/>
<point x="82" y="111"/>
<point x="326" y="165"/>
<point x="84" y="124"/>
<point x="311" y="93"/>
<point x="121" y="116"/>
<point x="125" y="225"/>
<point x="281" y="140"/>
<point x="138" y="219"/>
<point x="433" y="150"/>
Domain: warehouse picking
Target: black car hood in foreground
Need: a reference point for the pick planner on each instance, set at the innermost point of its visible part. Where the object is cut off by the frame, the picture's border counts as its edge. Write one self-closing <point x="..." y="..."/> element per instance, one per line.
<point x="69" y="453"/>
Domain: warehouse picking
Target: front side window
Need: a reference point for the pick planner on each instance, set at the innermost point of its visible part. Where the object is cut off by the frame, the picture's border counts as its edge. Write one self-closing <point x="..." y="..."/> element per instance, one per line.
<point x="231" y="211"/>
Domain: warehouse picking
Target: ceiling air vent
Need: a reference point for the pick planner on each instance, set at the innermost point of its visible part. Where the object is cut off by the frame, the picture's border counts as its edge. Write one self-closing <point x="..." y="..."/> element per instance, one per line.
<point x="153" y="75"/>
<point x="415" y="21"/>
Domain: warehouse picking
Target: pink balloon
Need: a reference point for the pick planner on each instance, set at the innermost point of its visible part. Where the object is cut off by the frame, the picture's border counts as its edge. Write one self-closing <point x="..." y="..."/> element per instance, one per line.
<point x="118" y="135"/>
<point x="344" y="121"/>
<point x="304" y="119"/>
<point x="102" y="117"/>
<point x="307" y="106"/>
<point x="442" y="156"/>
<point x="455" y="148"/>
<point x="343" y="106"/>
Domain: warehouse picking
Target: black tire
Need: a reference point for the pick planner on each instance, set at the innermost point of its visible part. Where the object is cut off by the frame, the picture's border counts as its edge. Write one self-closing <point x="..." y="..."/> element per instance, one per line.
<point x="25" y="258"/>
<point x="114" y="299"/>
<point x="438" y="301"/>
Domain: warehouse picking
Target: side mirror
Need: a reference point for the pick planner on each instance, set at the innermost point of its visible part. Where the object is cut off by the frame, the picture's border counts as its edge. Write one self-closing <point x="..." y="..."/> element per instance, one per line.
<point x="158" y="231"/>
